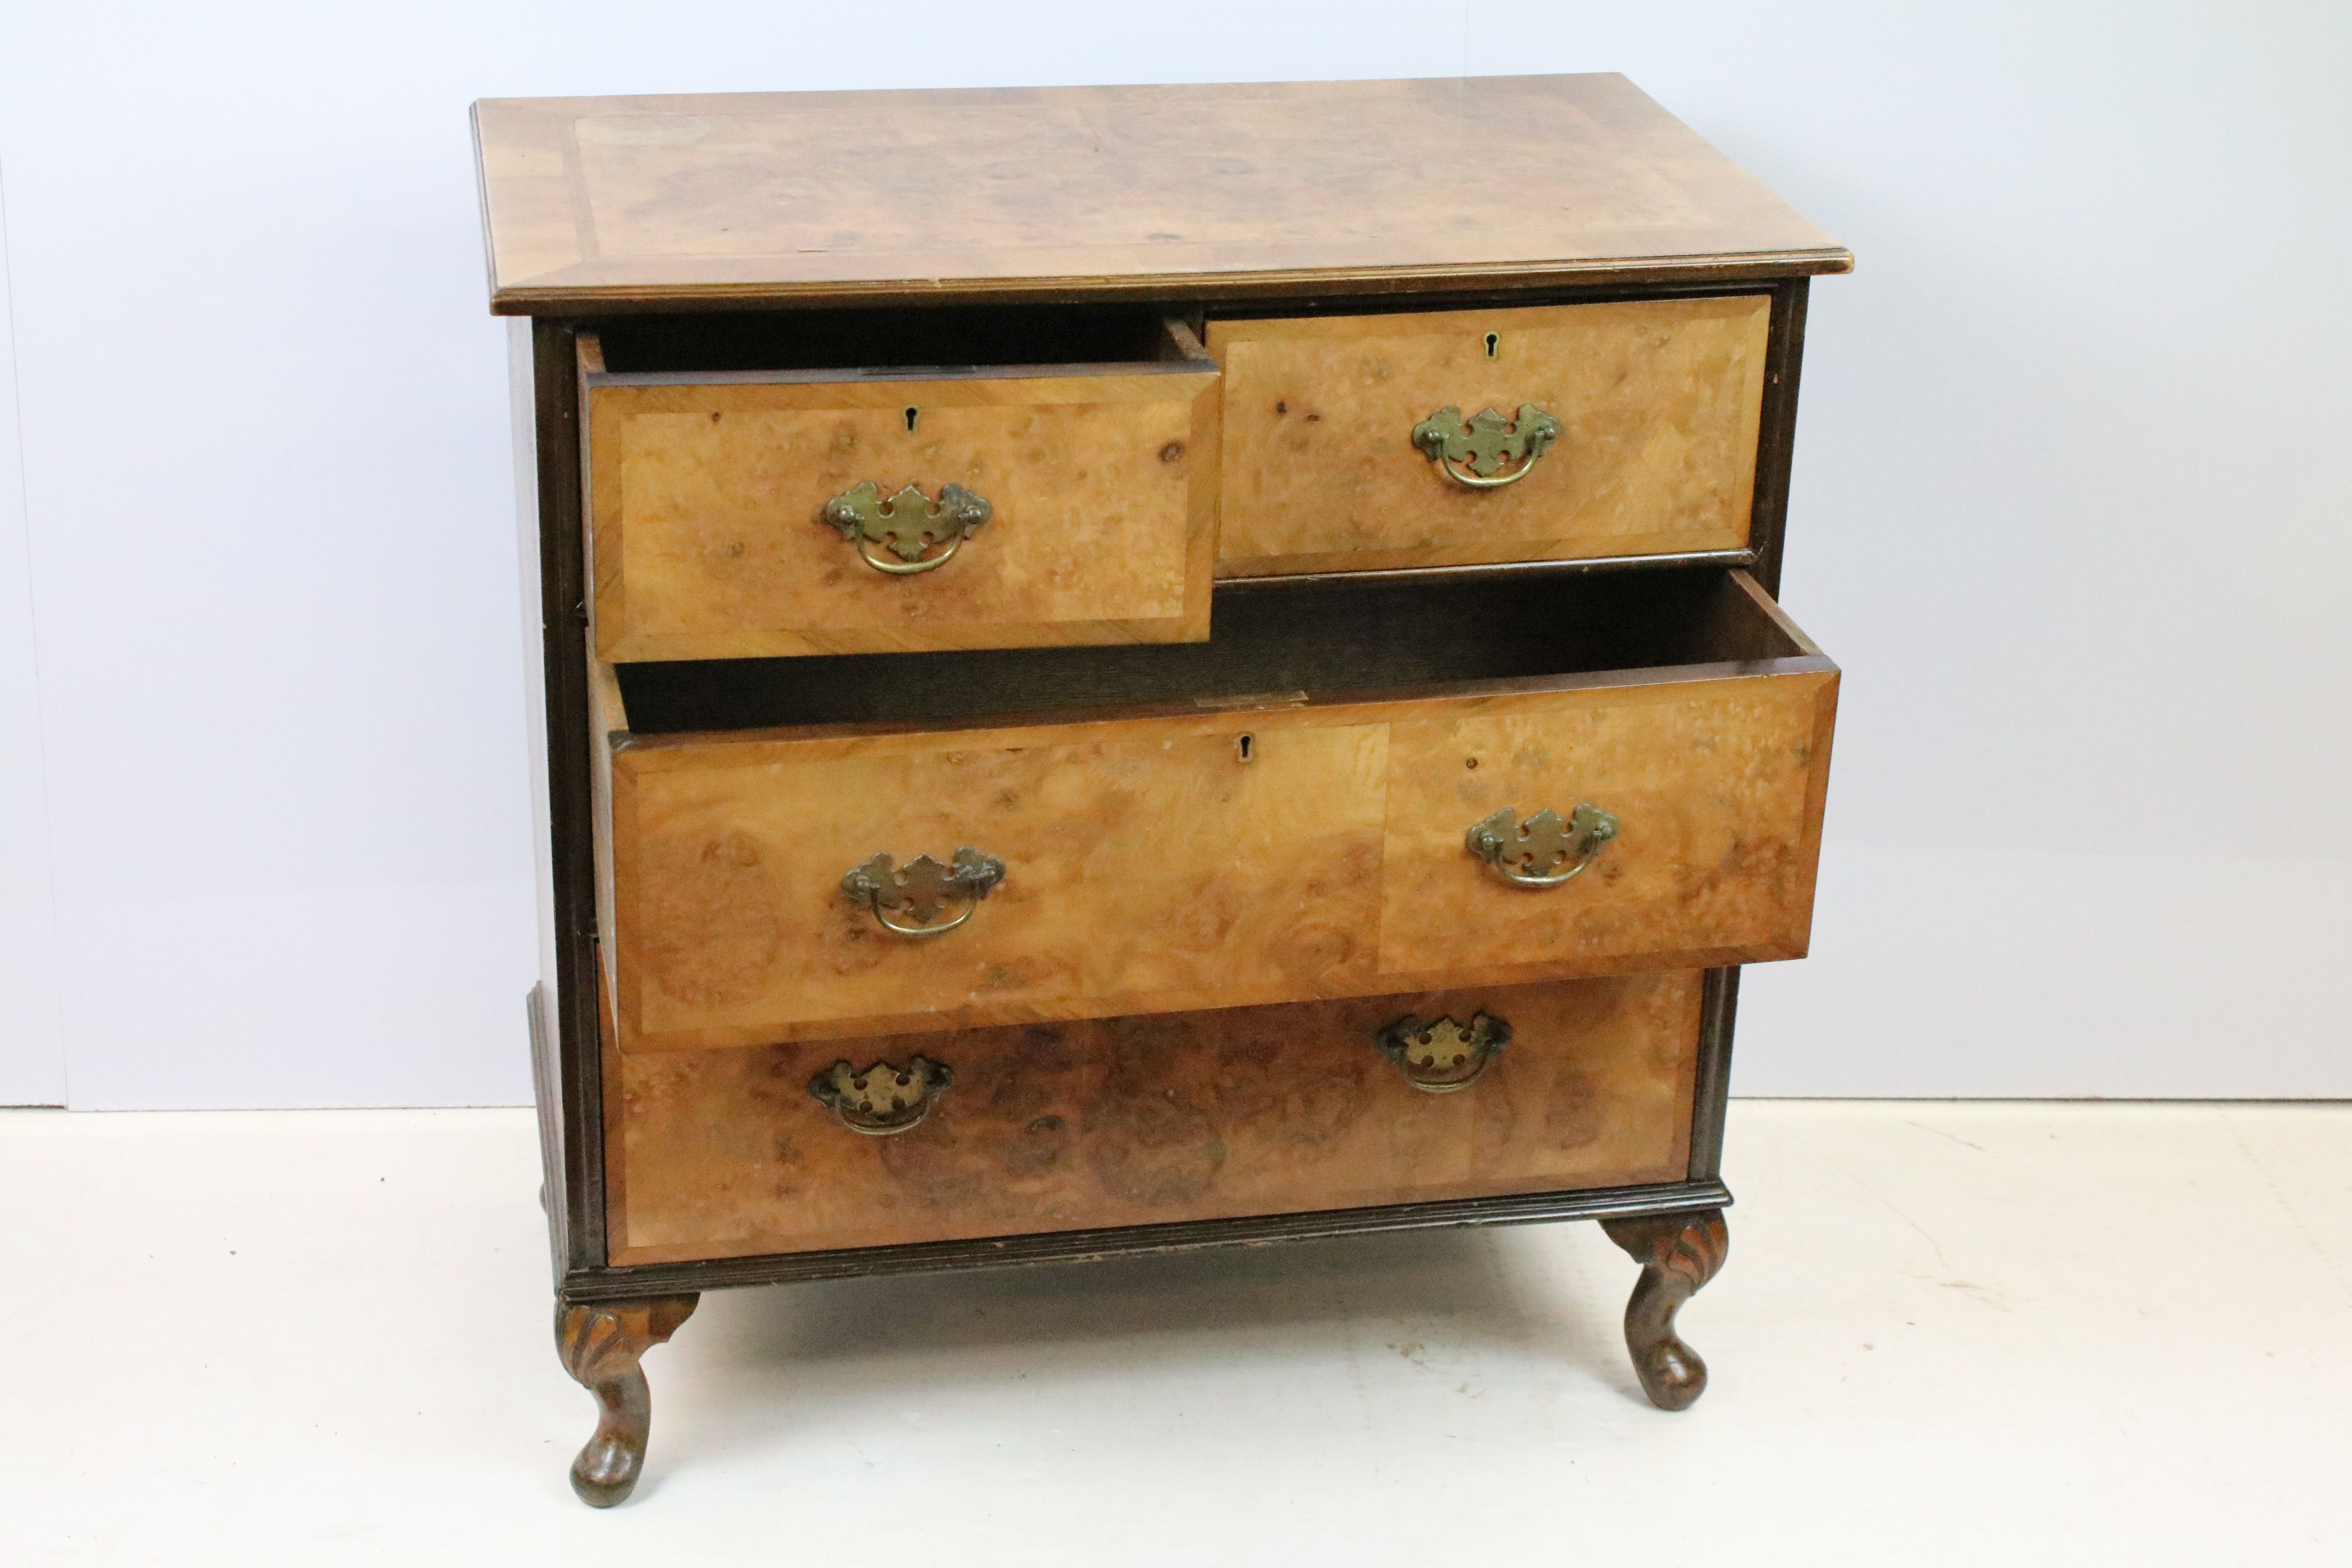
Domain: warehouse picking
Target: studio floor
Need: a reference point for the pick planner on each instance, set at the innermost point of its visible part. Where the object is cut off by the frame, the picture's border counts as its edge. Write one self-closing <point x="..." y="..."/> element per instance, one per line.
<point x="1948" y="1333"/>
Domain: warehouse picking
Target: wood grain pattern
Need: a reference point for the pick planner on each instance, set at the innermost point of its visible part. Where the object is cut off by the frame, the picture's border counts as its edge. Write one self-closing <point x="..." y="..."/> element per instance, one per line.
<point x="1156" y="1119"/>
<point x="1715" y="792"/>
<point x="618" y="202"/>
<point x="1661" y="400"/>
<point x="1141" y="860"/>
<point x="1150" y="869"/>
<point x="708" y="540"/>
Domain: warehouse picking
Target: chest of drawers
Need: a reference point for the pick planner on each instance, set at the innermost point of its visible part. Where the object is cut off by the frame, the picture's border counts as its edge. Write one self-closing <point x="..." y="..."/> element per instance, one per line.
<point x="1134" y="668"/>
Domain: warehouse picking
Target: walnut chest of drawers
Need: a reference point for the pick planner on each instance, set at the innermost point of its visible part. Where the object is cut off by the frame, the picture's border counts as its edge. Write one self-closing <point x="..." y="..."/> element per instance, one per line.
<point x="1133" y="669"/>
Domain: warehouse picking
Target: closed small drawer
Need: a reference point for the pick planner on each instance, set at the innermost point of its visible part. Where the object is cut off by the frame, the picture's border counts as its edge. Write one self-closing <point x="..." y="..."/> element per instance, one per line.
<point x="1590" y="777"/>
<point x="1137" y="1121"/>
<point x="777" y="512"/>
<point x="1455" y="438"/>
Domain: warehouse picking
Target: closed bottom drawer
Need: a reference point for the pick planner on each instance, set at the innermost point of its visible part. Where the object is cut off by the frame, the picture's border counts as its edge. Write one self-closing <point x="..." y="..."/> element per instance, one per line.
<point x="1139" y="1121"/>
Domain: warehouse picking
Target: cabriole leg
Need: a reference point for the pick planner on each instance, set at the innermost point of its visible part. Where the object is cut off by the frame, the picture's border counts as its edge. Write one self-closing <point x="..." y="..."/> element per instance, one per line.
<point x="601" y="1342"/>
<point x="1679" y="1253"/>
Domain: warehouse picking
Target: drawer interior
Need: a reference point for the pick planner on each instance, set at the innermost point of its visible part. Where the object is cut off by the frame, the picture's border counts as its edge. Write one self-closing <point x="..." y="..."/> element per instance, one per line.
<point x="1312" y="639"/>
<point x="865" y="341"/>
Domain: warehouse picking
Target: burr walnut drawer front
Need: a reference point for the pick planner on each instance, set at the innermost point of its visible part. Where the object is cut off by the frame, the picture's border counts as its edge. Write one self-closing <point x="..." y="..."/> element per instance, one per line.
<point x="783" y="512"/>
<point x="1133" y="1121"/>
<point x="1428" y="438"/>
<point x="840" y="880"/>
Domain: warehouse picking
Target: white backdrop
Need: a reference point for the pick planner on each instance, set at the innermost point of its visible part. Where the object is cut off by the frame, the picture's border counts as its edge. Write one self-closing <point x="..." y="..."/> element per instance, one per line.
<point x="2071" y="498"/>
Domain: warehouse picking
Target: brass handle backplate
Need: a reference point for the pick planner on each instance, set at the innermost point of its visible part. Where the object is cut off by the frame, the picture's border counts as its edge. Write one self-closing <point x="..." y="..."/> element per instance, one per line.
<point x="1440" y="1055"/>
<point x="924" y="889"/>
<point x="1472" y="452"/>
<point x="1543" y="851"/>
<point x="908" y="524"/>
<point x="884" y="1098"/>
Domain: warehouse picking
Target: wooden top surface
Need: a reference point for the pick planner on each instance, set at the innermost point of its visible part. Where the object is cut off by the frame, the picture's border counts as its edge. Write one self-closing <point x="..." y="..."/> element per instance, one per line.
<point x="615" y="204"/>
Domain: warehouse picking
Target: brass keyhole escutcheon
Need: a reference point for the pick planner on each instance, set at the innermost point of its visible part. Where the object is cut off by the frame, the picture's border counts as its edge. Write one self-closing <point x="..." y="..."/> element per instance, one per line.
<point x="1492" y="339"/>
<point x="914" y="414"/>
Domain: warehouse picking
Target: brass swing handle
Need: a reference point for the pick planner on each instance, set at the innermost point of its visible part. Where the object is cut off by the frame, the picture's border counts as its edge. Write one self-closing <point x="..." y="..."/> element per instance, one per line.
<point x="1472" y="451"/>
<point x="924" y="889"/>
<point x="1543" y="851"/>
<point x="1439" y="1056"/>
<point x="884" y="1098"/>
<point x="907" y="524"/>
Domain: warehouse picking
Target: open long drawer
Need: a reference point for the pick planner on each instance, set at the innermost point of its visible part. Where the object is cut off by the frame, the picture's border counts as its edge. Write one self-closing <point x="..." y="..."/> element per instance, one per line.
<point x="1344" y="792"/>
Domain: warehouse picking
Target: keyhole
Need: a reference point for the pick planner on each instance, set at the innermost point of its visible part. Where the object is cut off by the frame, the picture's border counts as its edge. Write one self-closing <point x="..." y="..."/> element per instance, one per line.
<point x="915" y="413"/>
<point x="1244" y="748"/>
<point x="1492" y="339"/>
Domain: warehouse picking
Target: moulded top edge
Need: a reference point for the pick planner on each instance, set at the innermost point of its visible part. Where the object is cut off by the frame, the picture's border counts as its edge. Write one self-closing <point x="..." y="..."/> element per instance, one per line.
<point x="1268" y="189"/>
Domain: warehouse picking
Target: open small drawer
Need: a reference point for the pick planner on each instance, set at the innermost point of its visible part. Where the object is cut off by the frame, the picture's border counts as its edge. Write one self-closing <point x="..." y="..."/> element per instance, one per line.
<point x="1024" y="479"/>
<point x="1451" y="782"/>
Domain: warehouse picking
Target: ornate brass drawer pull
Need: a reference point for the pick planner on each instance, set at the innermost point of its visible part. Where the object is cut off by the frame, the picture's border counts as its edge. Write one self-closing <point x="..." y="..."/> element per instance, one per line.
<point x="884" y="1098"/>
<point x="924" y="889"/>
<point x="1440" y="1055"/>
<point x="1472" y="451"/>
<point x="1533" y="853"/>
<point x="909" y="524"/>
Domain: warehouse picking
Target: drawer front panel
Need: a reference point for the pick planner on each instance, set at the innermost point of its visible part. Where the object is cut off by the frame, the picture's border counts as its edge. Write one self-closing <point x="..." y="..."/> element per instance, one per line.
<point x="1658" y="401"/>
<point x="1154" y="864"/>
<point x="1139" y="1121"/>
<point x="1716" y="795"/>
<point x="1142" y="859"/>
<point x="709" y="541"/>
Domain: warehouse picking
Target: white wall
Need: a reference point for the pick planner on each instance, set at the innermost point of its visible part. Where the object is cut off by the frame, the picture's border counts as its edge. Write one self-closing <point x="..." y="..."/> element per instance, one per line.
<point x="32" y="1042"/>
<point x="2071" y="504"/>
